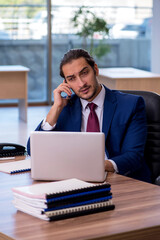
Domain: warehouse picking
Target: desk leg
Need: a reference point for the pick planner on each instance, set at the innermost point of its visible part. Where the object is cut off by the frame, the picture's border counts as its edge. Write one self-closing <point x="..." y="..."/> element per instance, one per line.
<point x="23" y="109"/>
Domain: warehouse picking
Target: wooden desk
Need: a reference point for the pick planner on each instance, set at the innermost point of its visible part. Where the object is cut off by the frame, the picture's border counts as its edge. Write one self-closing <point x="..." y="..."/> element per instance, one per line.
<point x="13" y="85"/>
<point x="136" y="216"/>
<point x="129" y="79"/>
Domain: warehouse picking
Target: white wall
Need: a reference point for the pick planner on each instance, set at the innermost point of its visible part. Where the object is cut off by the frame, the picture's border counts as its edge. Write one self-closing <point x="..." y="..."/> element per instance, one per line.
<point x="155" y="43"/>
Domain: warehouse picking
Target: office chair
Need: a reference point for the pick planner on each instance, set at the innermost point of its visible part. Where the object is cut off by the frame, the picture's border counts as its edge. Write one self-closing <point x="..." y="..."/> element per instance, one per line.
<point x="152" y="148"/>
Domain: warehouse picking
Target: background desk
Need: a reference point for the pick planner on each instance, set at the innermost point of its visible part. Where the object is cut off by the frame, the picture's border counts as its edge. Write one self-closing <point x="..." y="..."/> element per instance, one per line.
<point x="129" y="79"/>
<point x="13" y="85"/>
<point x="136" y="216"/>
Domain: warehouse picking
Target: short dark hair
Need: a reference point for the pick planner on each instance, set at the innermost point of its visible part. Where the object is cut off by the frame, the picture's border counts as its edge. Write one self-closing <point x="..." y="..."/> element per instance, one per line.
<point x="74" y="54"/>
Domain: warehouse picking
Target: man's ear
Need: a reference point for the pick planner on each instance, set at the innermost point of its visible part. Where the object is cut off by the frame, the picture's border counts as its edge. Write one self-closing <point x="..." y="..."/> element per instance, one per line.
<point x="96" y="69"/>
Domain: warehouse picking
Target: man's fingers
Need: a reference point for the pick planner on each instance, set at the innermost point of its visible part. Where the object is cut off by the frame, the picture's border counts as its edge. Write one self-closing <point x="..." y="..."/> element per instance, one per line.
<point x="63" y="88"/>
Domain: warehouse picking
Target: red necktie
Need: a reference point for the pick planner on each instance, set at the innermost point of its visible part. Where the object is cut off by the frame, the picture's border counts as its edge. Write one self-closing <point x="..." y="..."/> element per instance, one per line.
<point x="93" y="123"/>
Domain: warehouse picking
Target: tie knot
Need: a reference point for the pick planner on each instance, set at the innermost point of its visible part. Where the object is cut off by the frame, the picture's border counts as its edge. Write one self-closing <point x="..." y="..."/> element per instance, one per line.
<point x="92" y="106"/>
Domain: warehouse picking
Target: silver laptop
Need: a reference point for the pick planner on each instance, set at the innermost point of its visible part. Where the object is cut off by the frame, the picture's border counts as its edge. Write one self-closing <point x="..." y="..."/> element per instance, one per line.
<point x="64" y="155"/>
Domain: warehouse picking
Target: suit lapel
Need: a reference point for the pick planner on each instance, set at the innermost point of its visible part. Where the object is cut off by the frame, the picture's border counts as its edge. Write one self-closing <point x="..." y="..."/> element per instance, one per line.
<point x="110" y="104"/>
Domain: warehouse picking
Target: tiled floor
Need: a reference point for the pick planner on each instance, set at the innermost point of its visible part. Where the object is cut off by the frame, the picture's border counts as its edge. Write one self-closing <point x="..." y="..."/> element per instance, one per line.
<point x="13" y="130"/>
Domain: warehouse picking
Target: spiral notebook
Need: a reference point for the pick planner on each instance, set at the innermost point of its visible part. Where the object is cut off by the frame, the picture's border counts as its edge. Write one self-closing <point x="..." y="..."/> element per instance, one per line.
<point x="16" y="166"/>
<point x="48" y="190"/>
<point x="69" y="212"/>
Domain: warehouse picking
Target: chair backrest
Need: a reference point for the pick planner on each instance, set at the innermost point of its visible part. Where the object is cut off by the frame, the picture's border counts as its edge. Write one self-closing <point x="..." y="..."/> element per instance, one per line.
<point x="152" y="149"/>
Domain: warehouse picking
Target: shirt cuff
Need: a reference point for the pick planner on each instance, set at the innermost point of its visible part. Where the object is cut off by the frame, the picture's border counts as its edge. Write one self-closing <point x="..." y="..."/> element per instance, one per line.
<point x="113" y="163"/>
<point x="46" y="126"/>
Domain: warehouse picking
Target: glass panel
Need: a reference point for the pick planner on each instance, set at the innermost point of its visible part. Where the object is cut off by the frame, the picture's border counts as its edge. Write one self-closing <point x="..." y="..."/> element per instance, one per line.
<point x="23" y="29"/>
<point x="21" y="43"/>
<point x="129" y="36"/>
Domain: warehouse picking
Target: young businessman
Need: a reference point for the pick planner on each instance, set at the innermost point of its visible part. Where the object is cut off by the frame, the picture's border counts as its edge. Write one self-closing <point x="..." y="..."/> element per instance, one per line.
<point x="121" y="116"/>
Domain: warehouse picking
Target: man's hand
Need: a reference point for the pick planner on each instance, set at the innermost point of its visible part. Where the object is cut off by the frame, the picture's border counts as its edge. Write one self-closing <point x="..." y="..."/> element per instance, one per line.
<point x="108" y="166"/>
<point x="59" y="102"/>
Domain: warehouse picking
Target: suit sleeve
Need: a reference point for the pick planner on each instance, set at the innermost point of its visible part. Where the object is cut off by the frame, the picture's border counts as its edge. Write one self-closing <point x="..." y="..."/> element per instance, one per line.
<point x="39" y="128"/>
<point x="131" y="156"/>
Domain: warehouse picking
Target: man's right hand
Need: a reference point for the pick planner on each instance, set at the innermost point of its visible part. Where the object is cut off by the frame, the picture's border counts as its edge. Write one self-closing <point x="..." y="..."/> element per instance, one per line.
<point x="59" y="102"/>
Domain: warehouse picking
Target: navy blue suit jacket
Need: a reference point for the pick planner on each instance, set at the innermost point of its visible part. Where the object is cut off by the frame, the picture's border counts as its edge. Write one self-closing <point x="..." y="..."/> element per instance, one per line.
<point x="124" y="126"/>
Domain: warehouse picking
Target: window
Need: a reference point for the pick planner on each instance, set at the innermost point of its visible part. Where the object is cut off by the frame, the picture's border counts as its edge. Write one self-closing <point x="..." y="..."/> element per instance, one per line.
<point x="19" y="46"/>
<point x="23" y="37"/>
<point x="129" y="35"/>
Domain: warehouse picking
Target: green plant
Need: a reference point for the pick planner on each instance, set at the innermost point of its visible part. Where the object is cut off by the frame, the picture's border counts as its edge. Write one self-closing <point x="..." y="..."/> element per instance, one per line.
<point x="88" y="24"/>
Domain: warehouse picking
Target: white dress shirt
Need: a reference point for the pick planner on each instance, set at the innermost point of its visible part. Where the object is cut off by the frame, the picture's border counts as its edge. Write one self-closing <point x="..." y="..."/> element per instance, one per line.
<point x="99" y="101"/>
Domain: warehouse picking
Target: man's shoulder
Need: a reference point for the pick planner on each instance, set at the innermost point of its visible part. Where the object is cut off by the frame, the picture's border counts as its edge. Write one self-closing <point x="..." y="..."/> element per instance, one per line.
<point x="122" y="96"/>
<point x="123" y="100"/>
<point x="125" y="95"/>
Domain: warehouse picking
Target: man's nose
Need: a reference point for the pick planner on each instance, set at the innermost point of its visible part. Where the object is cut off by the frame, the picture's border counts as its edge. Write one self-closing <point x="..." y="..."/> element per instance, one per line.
<point x="80" y="81"/>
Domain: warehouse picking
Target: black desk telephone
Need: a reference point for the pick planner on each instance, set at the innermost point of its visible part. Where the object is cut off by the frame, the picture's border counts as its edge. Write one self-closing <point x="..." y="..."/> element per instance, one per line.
<point x="11" y="149"/>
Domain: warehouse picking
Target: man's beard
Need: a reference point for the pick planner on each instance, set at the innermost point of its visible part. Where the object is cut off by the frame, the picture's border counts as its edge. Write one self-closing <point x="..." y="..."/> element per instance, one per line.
<point x="90" y="97"/>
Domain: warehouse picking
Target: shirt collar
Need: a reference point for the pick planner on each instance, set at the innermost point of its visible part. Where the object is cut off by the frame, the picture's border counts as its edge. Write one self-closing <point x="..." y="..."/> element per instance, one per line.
<point x="99" y="99"/>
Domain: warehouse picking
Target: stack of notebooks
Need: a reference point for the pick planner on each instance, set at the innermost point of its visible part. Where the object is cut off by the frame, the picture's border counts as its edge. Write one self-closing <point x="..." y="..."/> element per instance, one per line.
<point x="63" y="199"/>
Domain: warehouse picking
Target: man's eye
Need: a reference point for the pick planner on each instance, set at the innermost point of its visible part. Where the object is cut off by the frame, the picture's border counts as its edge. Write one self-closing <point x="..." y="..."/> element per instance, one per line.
<point x="71" y="79"/>
<point x="84" y="73"/>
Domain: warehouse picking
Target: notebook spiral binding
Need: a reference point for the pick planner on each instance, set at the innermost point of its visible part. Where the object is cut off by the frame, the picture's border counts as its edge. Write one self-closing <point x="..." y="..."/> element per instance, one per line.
<point x="78" y="190"/>
<point x="79" y="208"/>
<point x="22" y="170"/>
<point x="81" y="194"/>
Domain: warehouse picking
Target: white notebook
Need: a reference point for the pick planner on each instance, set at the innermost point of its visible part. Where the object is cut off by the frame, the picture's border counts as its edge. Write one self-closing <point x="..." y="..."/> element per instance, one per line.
<point x="16" y="166"/>
<point x="40" y="190"/>
<point x="67" y="212"/>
